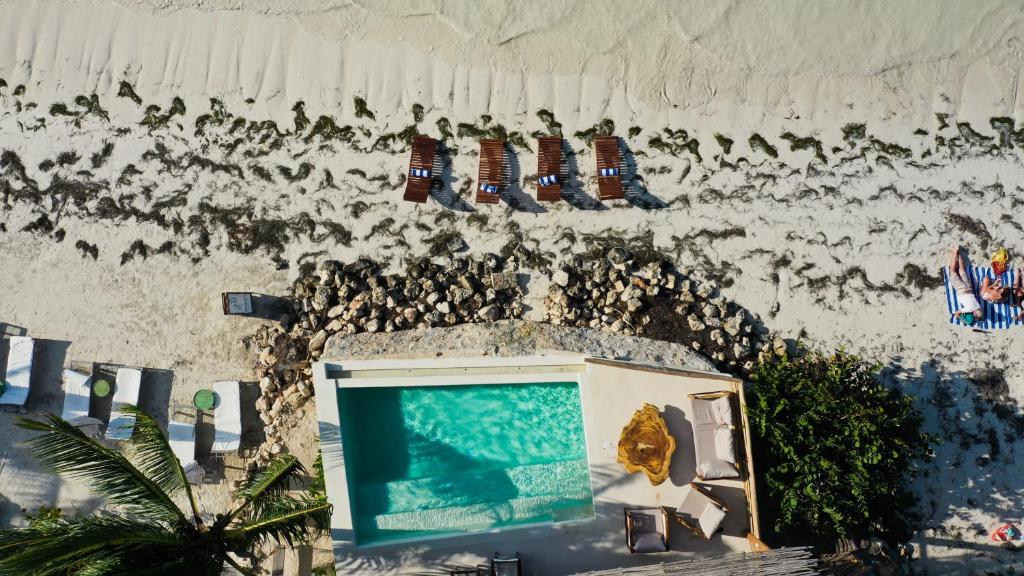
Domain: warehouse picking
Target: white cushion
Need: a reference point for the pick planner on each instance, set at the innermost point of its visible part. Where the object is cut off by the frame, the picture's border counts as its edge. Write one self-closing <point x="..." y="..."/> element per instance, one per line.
<point x="710" y="519"/>
<point x="722" y="410"/>
<point x="122" y="424"/>
<point x="76" y="395"/>
<point x="725" y="445"/>
<point x="716" y="469"/>
<point x="227" y="417"/>
<point x="19" y="370"/>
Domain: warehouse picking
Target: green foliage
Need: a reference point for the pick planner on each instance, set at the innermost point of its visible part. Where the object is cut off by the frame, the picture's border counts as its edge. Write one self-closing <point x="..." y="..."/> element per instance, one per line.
<point x="147" y="533"/>
<point x="835" y="447"/>
<point x="43" y="515"/>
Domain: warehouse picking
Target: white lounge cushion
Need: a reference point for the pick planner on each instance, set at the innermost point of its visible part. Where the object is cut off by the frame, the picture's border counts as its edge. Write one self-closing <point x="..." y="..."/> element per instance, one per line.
<point x="19" y="370"/>
<point x="711" y="519"/>
<point x="182" y="438"/>
<point x="227" y="416"/>
<point x="76" y="395"/>
<point x="122" y="424"/>
<point x="725" y="445"/>
<point x="716" y="470"/>
<point x="723" y="410"/>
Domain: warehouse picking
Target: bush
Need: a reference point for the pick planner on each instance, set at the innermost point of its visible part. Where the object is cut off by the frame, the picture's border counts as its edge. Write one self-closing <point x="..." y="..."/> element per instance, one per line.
<point x="835" y="448"/>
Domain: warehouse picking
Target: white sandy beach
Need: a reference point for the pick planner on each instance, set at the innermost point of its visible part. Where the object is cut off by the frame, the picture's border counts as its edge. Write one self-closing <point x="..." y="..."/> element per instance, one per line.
<point x="840" y="247"/>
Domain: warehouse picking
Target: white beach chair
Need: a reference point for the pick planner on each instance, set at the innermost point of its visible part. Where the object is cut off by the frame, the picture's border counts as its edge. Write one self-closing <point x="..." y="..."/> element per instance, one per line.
<point x="227" y="416"/>
<point x="182" y="438"/>
<point x="19" y="370"/>
<point x="121" y="426"/>
<point x="76" y="403"/>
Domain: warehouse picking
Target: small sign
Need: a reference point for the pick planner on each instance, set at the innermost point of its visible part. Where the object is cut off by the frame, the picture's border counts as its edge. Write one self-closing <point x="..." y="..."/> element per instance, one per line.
<point x="237" y="303"/>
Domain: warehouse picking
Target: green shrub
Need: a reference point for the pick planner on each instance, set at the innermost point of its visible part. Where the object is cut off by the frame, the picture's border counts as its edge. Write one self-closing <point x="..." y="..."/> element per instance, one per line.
<point x="835" y="448"/>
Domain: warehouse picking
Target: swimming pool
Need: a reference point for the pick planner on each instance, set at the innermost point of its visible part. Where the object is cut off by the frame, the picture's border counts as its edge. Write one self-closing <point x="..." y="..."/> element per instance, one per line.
<point x="427" y="461"/>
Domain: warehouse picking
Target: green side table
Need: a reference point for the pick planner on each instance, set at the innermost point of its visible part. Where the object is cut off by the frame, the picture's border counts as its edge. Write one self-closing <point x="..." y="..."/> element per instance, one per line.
<point x="101" y="388"/>
<point x="203" y="399"/>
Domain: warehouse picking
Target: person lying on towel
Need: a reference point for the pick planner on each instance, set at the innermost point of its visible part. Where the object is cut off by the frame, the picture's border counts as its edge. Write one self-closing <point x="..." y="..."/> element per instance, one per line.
<point x="994" y="291"/>
<point x="960" y="279"/>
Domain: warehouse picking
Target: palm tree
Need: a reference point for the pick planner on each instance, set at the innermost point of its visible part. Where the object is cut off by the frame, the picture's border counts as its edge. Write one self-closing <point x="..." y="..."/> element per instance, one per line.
<point x="150" y="534"/>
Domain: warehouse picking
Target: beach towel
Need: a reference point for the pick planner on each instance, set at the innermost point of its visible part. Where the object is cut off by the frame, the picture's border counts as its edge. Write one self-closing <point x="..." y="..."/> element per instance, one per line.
<point x="548" y="180"/>
<point x="489" y="188"/>
<point x="997" y="316"/>
<point x="605" y="172"/>
<point x="420" y="172"/>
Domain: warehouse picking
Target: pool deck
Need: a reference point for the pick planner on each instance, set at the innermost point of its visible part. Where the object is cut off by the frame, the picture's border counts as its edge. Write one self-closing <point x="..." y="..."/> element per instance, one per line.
<point x="610" y="392"/>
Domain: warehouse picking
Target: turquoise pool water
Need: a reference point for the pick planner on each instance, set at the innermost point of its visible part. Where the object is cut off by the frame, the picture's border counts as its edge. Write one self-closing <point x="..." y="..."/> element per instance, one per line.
<point x="441" y="460"/>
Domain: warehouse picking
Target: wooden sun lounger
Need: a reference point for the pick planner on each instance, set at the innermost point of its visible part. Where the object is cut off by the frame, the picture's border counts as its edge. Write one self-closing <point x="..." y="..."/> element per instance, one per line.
<point x="417" y="185"/>
<point x="608" y="187"/>
<point x="492" y="163"/>
<point x="549" y="165"/>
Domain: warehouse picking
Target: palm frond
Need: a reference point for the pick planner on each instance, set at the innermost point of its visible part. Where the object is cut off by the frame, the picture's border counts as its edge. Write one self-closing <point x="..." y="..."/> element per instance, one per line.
<point x="68" y="451"/>
<point x="281" y="474"/>
<point x="90" y="542"/>
<point x="152" y="455"/>
<point x="284" y="519"/>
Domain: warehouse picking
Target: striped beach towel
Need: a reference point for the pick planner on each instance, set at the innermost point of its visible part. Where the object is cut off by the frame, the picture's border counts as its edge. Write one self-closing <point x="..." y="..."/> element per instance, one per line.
<point x="420" y="172"/>
<point x="548" y="180"/>
<point x="997" y="316"/>
<point x="489" y="188"/>
<point x="606" y="172"/>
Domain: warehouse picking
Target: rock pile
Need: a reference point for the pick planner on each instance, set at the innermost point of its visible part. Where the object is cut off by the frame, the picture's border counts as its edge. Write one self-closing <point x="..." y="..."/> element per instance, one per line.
<point x="656" y="301"/>
<point x="351" y="298"/>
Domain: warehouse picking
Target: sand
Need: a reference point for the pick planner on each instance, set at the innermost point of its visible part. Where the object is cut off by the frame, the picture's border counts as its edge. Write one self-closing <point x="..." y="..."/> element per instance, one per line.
<point x="831" y="154"/>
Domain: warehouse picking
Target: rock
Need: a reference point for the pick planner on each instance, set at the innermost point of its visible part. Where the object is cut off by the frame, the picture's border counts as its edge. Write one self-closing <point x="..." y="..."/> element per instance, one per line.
<point x="560" y="277"/>
<point x="276" y="448"/>
<point x="335" y="325"/>
<point x="705" y="290"/>
<point x="740" y="351"/>
<point x="267" y="357"/>
<point x="634" y="304"/>
<point x="318" y="340"/>
<point x="734" y="325"/>
<point x="433" y="297"/>
<point x="410" y="314"/>
<point x="373" y="325"/>
<point x="617" y="326"/>
<point x="717" y="337"/>
<point x="492" y="262"/>
<point x="778" y="346"/>
<point x="710" y="311"/>
<point x="695" y="323"/>
<point x="305" y="389"/>
<point x="504" y="281"/>
<point x="444" y="307"/>
<point x="336" y="311"/>
<point x="321" y="298"/>
<point x="267" y="385"/>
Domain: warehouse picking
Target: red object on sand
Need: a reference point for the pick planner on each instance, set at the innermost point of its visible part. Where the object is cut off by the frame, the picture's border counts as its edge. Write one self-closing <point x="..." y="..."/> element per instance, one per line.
<point x="1006" y="533"/>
